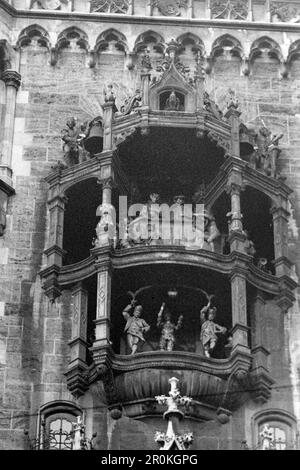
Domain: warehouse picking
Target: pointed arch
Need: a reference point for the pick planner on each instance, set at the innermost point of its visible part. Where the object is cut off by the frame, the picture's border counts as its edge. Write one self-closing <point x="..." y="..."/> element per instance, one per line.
<point x="294" y="51"/>
<point x="265" y="45"/>
<point x="72" y="34"/>
<point x="149" y="37"/>
<point x="111" y="36"/>
<point x="229" y="43"/>
<point x="32" y="33"/>
<point x="193" y="40"/>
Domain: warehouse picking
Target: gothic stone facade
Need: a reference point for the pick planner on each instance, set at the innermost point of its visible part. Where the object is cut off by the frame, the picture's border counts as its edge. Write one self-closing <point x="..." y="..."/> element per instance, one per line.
<point x="56" y="58"/>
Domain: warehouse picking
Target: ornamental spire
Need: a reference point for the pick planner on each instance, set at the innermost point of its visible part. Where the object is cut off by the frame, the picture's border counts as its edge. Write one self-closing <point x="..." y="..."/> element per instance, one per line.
<point x="171" y="440"/>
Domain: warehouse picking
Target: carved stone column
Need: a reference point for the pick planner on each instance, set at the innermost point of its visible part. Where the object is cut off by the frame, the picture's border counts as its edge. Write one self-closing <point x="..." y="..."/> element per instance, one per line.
<point x="236" y="235"/>
<point x="239" y="312"/>
<point x="12" y="80"/>
<point x="78" y="341"/>
<point x="280" y="228"/>
<point x="103" y="307"/>
<point x="109" y="108"/>
<point x="107" y="185"/>
<point x="233" y="116"/>
<point x="145" y="77"/>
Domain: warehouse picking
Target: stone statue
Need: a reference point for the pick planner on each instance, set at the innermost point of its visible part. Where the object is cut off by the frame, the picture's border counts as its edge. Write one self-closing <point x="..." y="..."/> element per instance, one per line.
<point x="145" y="228"/>
<point x="72" y="137"/>
<point x="249" y="245"/>
<point x="211" y="231"/>
<point x="167" y="338"/>
<point x="268" y="151"/>
<point x="209" y="329"/>
<point x="173" y="102"/>
<point x="135" y="326"/>
<point x="132" y="103"/>
<point x="211" y="106"/>
<point x="106" y="227"/>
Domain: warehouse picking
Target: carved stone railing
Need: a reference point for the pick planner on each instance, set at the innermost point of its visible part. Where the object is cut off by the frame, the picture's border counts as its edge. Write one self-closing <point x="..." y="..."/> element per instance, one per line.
<point x="236" y="10"/>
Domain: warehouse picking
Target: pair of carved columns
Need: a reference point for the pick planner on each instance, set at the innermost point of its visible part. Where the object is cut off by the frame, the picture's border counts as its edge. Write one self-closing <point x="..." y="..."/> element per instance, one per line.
<point x="12" y="80"/>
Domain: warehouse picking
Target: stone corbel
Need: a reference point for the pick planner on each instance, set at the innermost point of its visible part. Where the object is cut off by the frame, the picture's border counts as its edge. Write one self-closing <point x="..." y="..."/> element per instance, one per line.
<point x="246" y="66"/>
<point x="284" y="69"/>
<point x="130" y="63"/>
<point x="93" y="58"/>
<point x="53" y="56"/>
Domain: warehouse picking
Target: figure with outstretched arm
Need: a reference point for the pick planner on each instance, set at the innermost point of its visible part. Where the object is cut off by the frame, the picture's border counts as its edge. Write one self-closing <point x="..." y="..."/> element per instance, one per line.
<point x="209" y="329"/>
<point x="168" y="328"/>
<point x="135" y="326"/>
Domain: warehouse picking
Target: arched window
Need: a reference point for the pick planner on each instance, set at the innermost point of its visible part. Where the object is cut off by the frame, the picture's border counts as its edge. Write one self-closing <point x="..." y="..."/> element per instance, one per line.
<point x="274" y="430"/>
<point x="55" y="426"/>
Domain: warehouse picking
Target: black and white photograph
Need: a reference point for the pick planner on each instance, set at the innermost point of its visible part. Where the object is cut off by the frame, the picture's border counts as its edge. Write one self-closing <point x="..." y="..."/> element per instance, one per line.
<point x="149" y="228"/>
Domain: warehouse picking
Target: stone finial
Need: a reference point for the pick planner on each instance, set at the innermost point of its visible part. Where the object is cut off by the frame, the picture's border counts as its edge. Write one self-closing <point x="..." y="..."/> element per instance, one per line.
<point x="170" y="440"/>
<point x="11" y="78"/>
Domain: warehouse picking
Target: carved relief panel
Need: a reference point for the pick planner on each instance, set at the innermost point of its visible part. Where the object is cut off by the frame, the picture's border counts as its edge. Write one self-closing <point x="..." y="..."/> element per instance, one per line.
<point x="229" y="9"/>
<point x="110" y="6"/>
<point x="285" y="12"/>
<point x="170" y="7"/>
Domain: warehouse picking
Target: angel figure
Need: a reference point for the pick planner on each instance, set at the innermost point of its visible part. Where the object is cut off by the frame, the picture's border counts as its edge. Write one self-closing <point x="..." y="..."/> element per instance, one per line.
<point x="209" y="329"/>
<point x="167" y="338"/>
<point x="135" y="326"/>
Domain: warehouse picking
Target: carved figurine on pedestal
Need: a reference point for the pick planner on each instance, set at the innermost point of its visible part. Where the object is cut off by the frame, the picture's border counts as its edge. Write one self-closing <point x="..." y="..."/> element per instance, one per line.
<point x="73" y="136"/>
<point x="135" y="326"/>
<point x="209" y="328"/>
<point x="106" y="227"/>
<point x="167" y="338"/>
<point x="268" y="151"/>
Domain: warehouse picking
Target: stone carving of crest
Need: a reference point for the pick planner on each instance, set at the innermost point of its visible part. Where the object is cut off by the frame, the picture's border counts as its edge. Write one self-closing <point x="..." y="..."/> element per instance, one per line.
<point x="48" y="4"/>
<point x="286" y="12"/>
<point x="110" y="6"/>
<point x="229" y="9"/>
<point x="170" y="7"/>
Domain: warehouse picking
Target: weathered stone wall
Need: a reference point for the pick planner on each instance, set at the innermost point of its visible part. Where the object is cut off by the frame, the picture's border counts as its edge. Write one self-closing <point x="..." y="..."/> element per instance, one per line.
<point x="33" y="332"/>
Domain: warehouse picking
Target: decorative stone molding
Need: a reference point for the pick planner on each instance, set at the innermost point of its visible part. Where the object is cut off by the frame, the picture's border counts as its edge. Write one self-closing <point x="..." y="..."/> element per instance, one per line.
<point x="11" y="78"/>
<point x="170" y="7"/>
<point x="111" y="36"/>
<point x="229" y="9"/>
<point x="287" y="12"/>
<point x="227" y="44"/>
<point x="110" y="6"/>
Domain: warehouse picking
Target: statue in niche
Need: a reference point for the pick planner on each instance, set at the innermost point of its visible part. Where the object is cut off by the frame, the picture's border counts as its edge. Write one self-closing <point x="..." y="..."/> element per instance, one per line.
<point x="172" y="102"/>
<point x="145" y="228"/>
<point x="268" y="151"/>
<point x="106" y="228"/>
<point x="73" y="136"/>
<point x="209" y="329"/>
<point x="135" y="326"/>
<point x="168" y="328"/>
